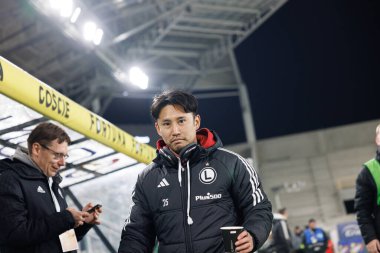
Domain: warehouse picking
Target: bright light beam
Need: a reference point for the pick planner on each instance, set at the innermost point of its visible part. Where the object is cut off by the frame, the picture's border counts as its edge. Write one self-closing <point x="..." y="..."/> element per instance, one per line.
<point x="66" y="8"/>
<point x="89" y="30"/>
<point x="75" y="15"/>
<point x="138" y="77"/>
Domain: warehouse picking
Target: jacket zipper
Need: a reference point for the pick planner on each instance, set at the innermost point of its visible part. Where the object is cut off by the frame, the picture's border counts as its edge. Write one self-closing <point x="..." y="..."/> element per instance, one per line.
<point x="189" y="247"/>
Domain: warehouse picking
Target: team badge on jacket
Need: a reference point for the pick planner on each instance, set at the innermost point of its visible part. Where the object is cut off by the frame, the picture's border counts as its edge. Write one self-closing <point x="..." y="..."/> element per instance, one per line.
<point x="207" y="175"/>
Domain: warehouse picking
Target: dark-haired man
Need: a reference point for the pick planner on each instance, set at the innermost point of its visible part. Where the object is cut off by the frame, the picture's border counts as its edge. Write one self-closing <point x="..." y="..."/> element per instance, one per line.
<point x="34" y="216"/>
<point x="367" y="200"/>
<point x="193" y="187"/>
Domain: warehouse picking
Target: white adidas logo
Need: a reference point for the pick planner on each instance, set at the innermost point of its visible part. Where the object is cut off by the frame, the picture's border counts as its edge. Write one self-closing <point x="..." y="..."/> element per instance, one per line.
<point x="40" y="190"/>
<point x="163" y="183"/>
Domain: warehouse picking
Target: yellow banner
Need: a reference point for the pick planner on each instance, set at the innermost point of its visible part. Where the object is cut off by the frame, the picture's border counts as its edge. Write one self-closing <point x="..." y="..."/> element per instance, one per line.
<point x="31" y="92"/>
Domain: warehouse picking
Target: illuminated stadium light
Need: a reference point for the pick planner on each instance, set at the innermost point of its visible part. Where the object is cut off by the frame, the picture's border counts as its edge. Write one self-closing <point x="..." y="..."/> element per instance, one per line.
<point x="55" y="4"/>
<point x="138" y="77"/>
<point x="92" y="33"/>
<point x="89" y="30"/>
<point x="98" y="36"/>
<point x="75" y="15"/>
<point x="65" y="7"/>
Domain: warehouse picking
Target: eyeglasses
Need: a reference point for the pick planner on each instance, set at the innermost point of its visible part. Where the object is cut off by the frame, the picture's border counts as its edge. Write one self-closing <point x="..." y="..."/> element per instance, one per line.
<point x="57" y="156"/>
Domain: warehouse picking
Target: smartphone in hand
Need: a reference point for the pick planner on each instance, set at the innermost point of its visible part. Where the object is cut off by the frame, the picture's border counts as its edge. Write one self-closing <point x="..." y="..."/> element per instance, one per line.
<point x="91" y="210"/>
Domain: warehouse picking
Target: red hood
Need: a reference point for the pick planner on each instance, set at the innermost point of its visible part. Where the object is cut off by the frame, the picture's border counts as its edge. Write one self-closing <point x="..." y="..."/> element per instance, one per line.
<point x="205" y="138"/>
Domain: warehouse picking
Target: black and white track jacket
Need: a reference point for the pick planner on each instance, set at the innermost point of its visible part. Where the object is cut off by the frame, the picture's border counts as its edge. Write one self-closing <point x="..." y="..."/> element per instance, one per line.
<point x="183" y="201"/>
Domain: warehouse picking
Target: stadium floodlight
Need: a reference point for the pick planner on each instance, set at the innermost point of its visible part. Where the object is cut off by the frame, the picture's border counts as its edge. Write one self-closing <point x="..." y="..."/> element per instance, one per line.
<point x="98" y="36"/>
<point x="55" y="4"/>
<point x="92" y="33"/>
<point x="64" y="7"/>
<point x="89" y="30"/>
<point x="75" y="15"/>
<point x="138" y="77"/>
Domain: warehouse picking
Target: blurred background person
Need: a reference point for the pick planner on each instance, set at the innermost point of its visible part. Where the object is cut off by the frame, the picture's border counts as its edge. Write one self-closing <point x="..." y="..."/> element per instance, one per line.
<point x="281" y="234"/>
<point x="315" y="239"/>
<point x="297" y="240"/>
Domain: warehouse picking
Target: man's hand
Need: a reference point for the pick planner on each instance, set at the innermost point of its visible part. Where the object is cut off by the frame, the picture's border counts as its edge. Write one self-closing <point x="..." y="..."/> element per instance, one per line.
<point x="373" y="246"/>
<point x="92" y="218"/>
<point x="78" y="216"/>
<point x="244" y="243"/>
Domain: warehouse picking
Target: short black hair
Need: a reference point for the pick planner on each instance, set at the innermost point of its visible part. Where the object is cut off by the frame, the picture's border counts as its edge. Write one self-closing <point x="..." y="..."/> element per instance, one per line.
<point x="176" y="98"/>
<point x="282" y="210"/>
<point x="311" y="220"/>
<point x="45" y="133"/>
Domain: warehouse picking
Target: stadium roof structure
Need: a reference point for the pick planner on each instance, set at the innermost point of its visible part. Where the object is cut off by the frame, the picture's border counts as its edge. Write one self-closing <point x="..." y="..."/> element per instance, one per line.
<point x="186" y="44"/>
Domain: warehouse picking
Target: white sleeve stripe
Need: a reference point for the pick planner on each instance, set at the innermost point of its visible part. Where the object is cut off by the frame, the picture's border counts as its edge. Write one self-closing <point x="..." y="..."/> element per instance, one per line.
<point x="246" y="164"/>
<point x="252" y="176"/>
<point x="257" y="196"/>
<point x="249" y="168"/>
<point x="261" y="194"/>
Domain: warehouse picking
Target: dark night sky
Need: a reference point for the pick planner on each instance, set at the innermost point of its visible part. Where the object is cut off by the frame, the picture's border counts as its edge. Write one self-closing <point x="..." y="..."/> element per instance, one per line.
<point x="314" y="64"/>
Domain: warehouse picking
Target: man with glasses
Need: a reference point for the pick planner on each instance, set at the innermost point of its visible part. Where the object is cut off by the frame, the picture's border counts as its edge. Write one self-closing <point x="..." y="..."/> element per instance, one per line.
<point x="34" y="216"/>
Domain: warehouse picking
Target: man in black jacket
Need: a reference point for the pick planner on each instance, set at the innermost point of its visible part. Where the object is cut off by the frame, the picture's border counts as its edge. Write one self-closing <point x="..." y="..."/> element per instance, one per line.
<point x="34" y="216"/>
<point x="367" y="200"/>
<point x="281" y="234"/>
<point x="193" y="187"/>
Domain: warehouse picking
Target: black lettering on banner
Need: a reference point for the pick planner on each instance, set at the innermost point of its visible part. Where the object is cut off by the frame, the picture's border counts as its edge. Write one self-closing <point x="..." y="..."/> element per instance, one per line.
<point x="109" y="131"/>
<point x="41" y="96"/>
<point x="123" y="135"/>
<point x="54" y="106"/>
<point x="113" y="135"/>
<point x="92" y="121"/>
<point x="105" y="130"/>
<point x="1" y="73"/>
<point x="98" y="128"/>
<point x="48" y="98"/>
<point x="67" y="110"/>
<point x="60" y="101"/>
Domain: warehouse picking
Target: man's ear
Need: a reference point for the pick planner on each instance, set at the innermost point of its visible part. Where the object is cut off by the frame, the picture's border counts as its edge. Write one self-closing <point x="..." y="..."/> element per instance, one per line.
<point x="197" y="121"/>
<point x="157" y="128"/>
<point x="36" y="149"/>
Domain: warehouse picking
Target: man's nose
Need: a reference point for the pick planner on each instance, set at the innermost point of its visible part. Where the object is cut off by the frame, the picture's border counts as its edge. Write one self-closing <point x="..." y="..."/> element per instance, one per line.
<point x="61" y="161"/>
<point x="176" y="129"/>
